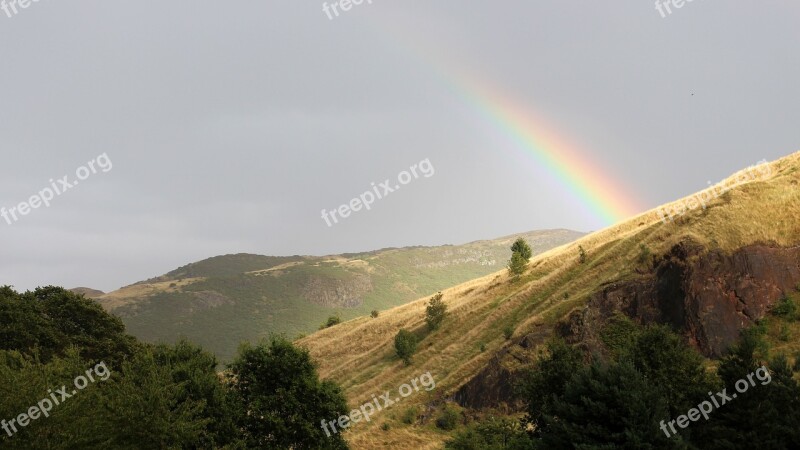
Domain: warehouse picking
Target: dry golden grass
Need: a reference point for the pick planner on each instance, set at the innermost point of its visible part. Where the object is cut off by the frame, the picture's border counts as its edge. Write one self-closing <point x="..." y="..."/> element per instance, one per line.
<point x="359" y="354"/>
<point x="133" y="293"/>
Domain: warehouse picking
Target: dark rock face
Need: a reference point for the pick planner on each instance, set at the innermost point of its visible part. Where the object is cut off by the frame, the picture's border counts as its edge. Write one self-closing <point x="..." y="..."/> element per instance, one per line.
<point x="709" y="295"/>
<point x="337" y="293"/>
<point x="493" y="387"/>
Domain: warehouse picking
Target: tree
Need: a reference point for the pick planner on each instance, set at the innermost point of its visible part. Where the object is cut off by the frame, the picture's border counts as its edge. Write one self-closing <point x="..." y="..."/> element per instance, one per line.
<point x="332" y="321"/>
<point x="374" y="313"/>
<point x="768" y="412"/>
<point x="52" y="319"/>
<point x="281" y="399"/>
<point x="608" y="406"/>
<point x="435" y="312"/>
<point x="581" y="254"/>
<point x="547" y="380"/>
<point x="521" y="246"/>
<point x="516" y="265"/>
<point x="405" y="344"/>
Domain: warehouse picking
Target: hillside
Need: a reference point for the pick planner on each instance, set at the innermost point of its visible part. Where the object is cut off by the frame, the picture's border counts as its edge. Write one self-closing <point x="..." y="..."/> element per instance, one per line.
<point x="222" y="301"/>
<point x="710" y="272"/>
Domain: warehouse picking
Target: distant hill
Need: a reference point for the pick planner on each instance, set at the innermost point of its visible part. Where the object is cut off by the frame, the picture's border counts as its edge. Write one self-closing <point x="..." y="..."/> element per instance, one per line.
<point x="222" y="301"/>
<point x="88" y="292"/>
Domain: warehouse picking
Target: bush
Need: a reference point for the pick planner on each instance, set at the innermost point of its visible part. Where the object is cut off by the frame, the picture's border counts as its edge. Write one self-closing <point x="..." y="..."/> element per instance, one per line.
<point x="581" y="254"/>
<point x="332" y="320"/>
<point x="492" y="434"/>
<point x="435" y="312"/>
<point x="508" y="332"/>
<point x="644" y="255"/>
<point x="385" y="426"/>
<point x="448" y="419"/>
<point x="522" y="247"/>
<point x="409" y="416"/>
<point x="374" y="313"/>
<point x="516" y="265"/>
<point x="483" y="347"/>
<point x="784" y="333"/>
<point x="786" y="308"/>
<point x="405" y="344"/>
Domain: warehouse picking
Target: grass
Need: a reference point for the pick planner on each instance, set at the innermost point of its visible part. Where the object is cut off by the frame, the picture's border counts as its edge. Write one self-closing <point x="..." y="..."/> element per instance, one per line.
<point x="293" y="295"/>
<point x="359" y="354"/>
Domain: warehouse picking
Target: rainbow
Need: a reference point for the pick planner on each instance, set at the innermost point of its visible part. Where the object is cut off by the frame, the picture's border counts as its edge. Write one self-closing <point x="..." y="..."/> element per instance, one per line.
<point x="598" y="192"/>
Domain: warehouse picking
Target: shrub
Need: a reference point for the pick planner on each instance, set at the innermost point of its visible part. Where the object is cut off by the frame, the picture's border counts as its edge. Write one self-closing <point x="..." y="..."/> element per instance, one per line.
<point x="522" y="247"/>
<point x="332" y="320"/>
<point x="405" y="344"/>
<point x="508" y="332"/>
<point x="483" y="347"/>
<point x="448" y="419"/>
<point x="784" y="333"/>
<point x="644" y="255"/>
<point x="516" y="265"/>
<point x="374" y="313"/>
<point x="786" y="308"/>
<point x="492" y="434"/>
<point x="581" y="254"/>
<point x="409" y="416"/>
<point x="385" y="426"/>
<point x="435" y="312"/>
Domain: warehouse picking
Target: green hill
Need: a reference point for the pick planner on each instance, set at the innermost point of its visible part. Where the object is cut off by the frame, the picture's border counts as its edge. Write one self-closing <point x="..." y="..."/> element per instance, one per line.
<point x="222" y="301"/>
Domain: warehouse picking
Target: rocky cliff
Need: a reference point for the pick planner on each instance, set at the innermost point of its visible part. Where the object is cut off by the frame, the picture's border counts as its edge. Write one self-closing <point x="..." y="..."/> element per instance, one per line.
<point x="708" y="295"/>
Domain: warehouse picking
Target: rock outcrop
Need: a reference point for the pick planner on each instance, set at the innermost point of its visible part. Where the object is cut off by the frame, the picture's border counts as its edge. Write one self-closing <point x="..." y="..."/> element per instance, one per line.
<point x="708" y="295"/>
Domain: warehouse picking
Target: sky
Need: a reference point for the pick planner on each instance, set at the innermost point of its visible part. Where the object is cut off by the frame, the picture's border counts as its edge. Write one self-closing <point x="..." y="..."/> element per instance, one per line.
<point x="218" y="129"/>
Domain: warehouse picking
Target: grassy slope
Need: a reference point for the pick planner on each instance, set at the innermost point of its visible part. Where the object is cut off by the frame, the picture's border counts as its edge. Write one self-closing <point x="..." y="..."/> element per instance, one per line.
<point x="359" y="354"/>
<point x="222" y="301"/>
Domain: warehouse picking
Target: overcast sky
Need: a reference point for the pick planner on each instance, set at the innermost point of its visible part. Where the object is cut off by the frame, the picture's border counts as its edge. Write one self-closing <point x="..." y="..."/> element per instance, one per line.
<point x="231" y="126"/>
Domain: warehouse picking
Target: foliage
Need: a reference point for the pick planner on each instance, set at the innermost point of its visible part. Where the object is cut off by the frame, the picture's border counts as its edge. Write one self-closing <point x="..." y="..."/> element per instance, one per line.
<point x="448" y="419"/>
<point x="644" y="255"/>
<point x="547" y="380"/>
<point x="405" y="345"/>
<point x="508" y="332"/>
<point x="786" y="308"/>
<point x="409" y="415"/>
<point x="608" y="406"/>
<point x="435" y="312"/>
<point x="506" y="434"/>
<point x="332" y="321"/>
<point x="374" y="314"/>
<point x="581" y="254"/>
<point x="51" y="319"/>
<point x="521" y="246"/>
<point x="281" y="399"/>
<point x="619" y="333"/>
<point x="516" y="265"/>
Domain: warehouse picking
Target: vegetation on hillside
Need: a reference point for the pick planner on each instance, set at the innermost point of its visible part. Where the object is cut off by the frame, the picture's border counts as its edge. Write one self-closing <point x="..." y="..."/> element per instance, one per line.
<point x="148" y="396"/>
<point x="222" y="301"/>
